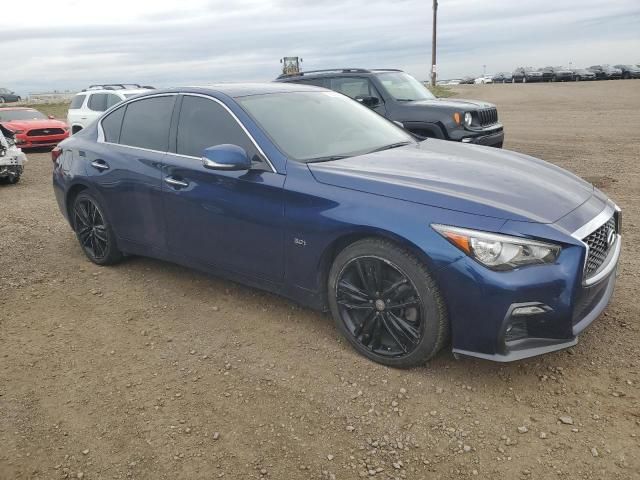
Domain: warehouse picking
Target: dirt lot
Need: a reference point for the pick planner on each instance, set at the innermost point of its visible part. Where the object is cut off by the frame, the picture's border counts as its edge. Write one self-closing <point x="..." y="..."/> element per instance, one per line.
<point x="150" y="371"/>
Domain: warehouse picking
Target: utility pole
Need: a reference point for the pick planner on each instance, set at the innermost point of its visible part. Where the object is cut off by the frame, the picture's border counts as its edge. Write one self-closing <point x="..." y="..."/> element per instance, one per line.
<point x="433" y="44"/>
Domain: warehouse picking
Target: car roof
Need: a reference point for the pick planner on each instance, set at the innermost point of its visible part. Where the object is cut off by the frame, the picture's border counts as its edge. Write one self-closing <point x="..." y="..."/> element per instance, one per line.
<point x="110" y="90"/>
<point x="236" y="90"/>
<point x="333" y="72"/>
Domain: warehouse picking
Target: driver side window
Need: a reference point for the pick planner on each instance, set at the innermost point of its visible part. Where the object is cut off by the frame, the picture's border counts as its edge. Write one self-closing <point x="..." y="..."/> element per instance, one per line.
<point x="204" y="123"/>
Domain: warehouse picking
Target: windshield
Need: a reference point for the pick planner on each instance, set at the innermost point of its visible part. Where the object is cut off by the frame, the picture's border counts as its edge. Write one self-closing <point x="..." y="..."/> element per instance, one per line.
<point x="4" y="90"/>
<point x="319" y="126"/>
<point x="404" y="87"/>
<point x="27" y="114"/>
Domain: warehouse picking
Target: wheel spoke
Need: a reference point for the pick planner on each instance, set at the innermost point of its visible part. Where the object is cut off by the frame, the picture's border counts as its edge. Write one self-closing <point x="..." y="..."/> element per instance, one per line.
<point x="393" y="289"/>
<point x="375" y="271"/>
<point x="84" y="235"/>
<point x="403" y="327"/>
<point x="356" y="306"/>
<point x="375" y="339"/>
<point x="82" y="215"/>
<point x="364" y="278"/>
<point x="101" y="233"/>
<point x="354" y="293"/>
<point x="413" y="302"/>
<point x="391" y="328"/>
<point x="365" y="321"/>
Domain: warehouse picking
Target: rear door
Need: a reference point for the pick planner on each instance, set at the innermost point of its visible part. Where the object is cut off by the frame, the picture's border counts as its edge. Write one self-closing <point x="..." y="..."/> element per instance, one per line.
<point x="127" y="170"/>
<point x="226" y="219"/>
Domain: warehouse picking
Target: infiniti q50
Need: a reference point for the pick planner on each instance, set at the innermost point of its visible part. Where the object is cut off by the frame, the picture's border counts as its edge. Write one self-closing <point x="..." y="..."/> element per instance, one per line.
<point x="302" y="191"/>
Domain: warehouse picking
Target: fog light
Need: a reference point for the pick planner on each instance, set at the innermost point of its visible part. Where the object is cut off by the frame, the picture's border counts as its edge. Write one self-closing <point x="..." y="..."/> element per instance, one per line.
<point x="467" y="140"/>
<point x="516" y="330"/>
<point x="528" y="310"/>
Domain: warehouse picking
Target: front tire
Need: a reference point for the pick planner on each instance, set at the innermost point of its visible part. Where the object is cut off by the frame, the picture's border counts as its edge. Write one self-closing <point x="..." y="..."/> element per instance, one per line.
<point x="93" y="231"/>
<point x="386" y="304"/>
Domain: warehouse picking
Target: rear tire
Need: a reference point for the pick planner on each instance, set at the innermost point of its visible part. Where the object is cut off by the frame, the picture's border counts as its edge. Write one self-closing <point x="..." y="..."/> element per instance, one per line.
<point x="386" y="304"/>
<point x="93" y="230"/>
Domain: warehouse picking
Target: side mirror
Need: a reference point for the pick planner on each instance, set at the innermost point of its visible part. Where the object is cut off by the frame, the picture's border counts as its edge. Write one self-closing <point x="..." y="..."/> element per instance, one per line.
<point x="369" y="101"/>
<point x="51" y="117"/>
<point x="226" y="157"/>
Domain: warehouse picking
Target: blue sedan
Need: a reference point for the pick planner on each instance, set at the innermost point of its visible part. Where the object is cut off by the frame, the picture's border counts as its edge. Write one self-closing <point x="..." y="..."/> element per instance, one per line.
<point x="301" y="191"/>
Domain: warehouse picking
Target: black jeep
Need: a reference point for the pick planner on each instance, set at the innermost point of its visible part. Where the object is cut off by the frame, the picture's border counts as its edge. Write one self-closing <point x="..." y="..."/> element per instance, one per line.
<point x="401" y="98"/>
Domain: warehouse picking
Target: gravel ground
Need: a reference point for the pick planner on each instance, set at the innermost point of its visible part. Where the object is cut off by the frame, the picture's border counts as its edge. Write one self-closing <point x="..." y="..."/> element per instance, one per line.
<point x="148" y="370"/>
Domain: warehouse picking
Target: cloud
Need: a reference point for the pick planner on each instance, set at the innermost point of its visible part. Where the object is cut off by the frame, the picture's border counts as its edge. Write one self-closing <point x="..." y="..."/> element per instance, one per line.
<point x="66" y="45"/>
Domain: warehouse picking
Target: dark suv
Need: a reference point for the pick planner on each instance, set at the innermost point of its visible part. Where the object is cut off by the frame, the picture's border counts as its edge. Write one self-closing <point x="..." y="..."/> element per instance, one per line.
<point x="401" y="98"/>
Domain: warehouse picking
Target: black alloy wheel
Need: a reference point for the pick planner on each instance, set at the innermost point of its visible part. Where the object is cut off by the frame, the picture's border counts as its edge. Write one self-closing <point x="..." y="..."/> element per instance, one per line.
<point x="94" y="233"/>
<point x="384" y="301"/>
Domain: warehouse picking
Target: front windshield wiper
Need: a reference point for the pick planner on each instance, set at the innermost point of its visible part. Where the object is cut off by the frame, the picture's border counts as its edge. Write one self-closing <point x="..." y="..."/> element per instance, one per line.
<point x="393" y="145"/>
<point x="328" y="158"/>
<point x="405" y="99"/>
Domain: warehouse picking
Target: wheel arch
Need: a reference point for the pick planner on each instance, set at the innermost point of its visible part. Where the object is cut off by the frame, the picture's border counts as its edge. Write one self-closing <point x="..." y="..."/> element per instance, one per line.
<point x="70" y="197"/>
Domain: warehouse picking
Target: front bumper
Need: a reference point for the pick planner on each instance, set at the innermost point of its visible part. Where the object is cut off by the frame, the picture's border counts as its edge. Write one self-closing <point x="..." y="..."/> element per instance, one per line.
<point x="24" y="141"/>
<point x="491" y="312"/>
<point x="491" y="138"/>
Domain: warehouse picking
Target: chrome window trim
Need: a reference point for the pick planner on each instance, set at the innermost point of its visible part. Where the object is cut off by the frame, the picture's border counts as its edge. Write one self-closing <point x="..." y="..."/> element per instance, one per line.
<point x="208" y="97"/>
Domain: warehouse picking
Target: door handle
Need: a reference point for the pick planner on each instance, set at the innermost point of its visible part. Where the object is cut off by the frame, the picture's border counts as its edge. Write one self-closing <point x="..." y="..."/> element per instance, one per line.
<point x="176" y="183"/>
<point x="100" y="165"/>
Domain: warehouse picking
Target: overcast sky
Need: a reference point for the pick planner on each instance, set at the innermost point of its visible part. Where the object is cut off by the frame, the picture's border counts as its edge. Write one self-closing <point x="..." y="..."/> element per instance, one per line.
<point x="68" y="44"/>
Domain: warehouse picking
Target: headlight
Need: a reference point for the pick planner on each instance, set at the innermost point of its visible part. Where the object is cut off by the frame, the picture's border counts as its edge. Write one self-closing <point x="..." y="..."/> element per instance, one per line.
<point x="467" y="119"/>
<point x="499" y="252"/>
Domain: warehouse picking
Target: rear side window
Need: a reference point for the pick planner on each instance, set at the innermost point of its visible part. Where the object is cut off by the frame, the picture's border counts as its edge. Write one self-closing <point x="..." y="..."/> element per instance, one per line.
<point x="112" y="100"/>
<point x="98" y="102"/>
<point x="111" y="125"/>
<point x="204" y="123"/>
<point x="146" y="123"/>
<point x="77" y="102"/>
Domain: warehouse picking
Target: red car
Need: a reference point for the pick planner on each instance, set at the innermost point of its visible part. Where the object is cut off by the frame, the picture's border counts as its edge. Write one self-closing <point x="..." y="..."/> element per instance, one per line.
<point x="32" y="128"/>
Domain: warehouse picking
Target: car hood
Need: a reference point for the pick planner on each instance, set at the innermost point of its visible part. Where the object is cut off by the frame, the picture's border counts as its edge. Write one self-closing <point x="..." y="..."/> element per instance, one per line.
<point x="467" y="178"/>
<point x="30" y="124"/>
<point x="457" y="104"/>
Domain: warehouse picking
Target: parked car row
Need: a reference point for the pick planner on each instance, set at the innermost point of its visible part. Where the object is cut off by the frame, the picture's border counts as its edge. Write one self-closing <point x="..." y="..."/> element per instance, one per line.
<point x="563" y="74"/>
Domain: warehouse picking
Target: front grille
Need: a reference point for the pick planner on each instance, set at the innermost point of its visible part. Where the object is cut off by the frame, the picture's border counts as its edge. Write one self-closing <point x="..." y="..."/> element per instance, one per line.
<point x="488" y="116"/>
<point x="599" y="242"/>
<point x="43" y="132"/>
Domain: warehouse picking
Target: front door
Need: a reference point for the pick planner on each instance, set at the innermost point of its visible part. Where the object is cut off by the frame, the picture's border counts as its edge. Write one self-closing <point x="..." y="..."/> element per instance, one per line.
<point x="225" y="219"/>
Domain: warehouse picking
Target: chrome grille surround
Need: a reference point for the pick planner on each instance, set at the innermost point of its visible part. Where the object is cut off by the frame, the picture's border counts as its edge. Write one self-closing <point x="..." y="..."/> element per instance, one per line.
<point x="602" y="235"/>
<point x="600" y="243"/>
